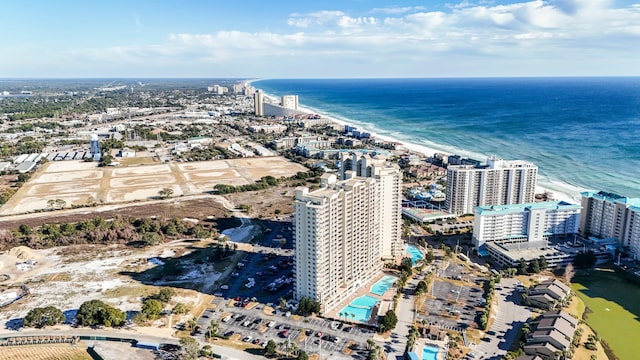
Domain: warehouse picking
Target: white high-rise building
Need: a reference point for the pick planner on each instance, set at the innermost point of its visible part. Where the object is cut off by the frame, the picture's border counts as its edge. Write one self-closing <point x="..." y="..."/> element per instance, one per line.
<point x="258" y="106"/>
<point x="337" y="239"/>
<point x="611" y="216"/>
<point x="389" y="177"/>
<point x="499" y="182"/>
<point x="532" y="222"/>
<point x="632" y="234"/>
<point x="289" y="102"/>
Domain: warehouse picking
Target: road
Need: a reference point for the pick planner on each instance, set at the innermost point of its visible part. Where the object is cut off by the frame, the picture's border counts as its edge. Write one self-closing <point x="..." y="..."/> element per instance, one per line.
<point x="94" y="333"/>
<point x="509" y="318"/>
<point x="406" y="315"/>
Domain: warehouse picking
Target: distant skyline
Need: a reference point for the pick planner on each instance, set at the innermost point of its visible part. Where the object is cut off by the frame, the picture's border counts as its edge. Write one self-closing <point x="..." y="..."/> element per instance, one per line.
<point x="319" y="39"/>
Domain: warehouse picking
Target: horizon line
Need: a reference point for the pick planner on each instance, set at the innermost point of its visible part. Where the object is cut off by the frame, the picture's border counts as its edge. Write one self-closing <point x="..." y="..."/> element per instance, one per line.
<point x="253" y="79"/>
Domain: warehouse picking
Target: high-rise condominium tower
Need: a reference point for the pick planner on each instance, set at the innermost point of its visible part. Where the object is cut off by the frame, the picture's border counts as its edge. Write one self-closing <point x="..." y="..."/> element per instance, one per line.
<point x="337" y="239"/>
<point x="499" y="182"/>
<point x="258" y="106"/>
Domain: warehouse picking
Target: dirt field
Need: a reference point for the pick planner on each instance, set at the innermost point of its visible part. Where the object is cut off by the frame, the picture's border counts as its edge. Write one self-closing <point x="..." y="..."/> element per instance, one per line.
<point x="79" y="183"/>
<point x="45" y="352"/>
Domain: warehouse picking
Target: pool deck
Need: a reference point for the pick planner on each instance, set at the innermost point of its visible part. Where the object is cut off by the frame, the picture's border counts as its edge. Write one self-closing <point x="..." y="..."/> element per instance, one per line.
<point x="385" y="300"/>
<point x="418" y="347"/>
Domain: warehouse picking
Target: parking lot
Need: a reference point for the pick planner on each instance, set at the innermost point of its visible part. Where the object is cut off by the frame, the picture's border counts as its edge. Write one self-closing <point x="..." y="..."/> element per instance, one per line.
<point x="314" y="335"/>
<point x="262" y="278"/>
<point x="456" y="298"/>
<point x="266" y="273"/>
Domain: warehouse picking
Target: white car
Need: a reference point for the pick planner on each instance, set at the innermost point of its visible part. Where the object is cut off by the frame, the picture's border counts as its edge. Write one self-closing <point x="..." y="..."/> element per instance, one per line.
<point x="247" y="339"/>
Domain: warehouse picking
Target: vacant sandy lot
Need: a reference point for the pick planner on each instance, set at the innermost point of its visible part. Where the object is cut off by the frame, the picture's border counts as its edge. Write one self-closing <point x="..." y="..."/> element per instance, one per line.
<point x="79" y="183"/>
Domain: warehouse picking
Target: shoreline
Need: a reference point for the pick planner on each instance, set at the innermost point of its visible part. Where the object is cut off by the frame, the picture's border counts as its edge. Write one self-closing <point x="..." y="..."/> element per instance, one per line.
<point x="427" y="151"/>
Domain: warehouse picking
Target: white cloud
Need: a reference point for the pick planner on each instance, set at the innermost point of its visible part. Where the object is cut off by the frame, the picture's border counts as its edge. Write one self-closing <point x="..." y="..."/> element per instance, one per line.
<point x="398" y="10"/>
<point x="418" y="42"/>
<point x="316" y="18"/>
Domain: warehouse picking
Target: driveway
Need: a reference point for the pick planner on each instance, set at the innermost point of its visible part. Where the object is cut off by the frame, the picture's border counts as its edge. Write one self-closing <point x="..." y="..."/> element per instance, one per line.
<point x="509" y="318"/>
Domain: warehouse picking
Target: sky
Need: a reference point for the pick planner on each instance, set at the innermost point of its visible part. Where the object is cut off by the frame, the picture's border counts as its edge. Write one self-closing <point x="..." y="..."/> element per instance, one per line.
<point x="319" y="38"/>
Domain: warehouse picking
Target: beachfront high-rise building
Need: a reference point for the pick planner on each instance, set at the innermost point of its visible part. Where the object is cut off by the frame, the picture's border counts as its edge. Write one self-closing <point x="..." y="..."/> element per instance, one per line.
<point x="337" y="239"/>
<point x="532" y="222"/>
<point x="611" y="216"/>
<point x="289" y="102"/>
<point x="258" y="106"/>
<point x="499" y="182"/>
<point x="389" y="177"/>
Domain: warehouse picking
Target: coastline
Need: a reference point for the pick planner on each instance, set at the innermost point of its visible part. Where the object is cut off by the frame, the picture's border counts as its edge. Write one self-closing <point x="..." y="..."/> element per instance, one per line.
<point x="426" y="151"/>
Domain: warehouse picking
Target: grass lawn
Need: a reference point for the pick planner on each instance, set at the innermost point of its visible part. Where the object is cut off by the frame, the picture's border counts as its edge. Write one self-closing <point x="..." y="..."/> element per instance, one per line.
<point x="613" y="309"/>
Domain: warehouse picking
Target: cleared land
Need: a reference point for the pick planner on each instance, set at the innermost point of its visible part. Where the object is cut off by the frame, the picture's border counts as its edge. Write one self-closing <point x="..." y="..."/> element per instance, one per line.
<point x="80" y="183"/>
<point x="613" y="309"/>
<point x="45" y="352"/>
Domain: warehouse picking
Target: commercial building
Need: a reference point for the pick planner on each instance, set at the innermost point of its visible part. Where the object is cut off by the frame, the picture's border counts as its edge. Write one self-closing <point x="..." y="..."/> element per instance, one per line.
<point x="557" y="254"/>
<point x="389" y="177"/>
<point x="258" y="106"/>
<point x="531" y="222"/>
<point x="337" y="239"/>
<point x="499" y="182"/>
<point x="611" y="216"/>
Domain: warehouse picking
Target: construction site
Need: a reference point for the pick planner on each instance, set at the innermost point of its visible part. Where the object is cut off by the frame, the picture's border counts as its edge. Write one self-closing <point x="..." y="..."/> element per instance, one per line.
<point x="76" y="183"/>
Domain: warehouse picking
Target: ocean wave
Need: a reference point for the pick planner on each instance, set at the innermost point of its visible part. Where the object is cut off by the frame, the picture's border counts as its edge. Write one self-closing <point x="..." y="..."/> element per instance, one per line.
<point x="561" y="126"/>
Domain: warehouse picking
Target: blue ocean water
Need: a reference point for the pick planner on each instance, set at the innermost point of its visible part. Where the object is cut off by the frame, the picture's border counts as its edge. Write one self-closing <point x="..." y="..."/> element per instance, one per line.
<point x="583" y="133"/>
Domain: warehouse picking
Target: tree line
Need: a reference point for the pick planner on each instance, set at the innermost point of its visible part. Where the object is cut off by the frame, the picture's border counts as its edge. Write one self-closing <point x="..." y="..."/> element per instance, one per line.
<point x="121" y="230"/>
<point x="267" y="182"/>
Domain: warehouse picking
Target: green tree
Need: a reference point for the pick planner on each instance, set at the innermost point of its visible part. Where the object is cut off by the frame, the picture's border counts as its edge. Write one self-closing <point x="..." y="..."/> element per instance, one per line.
<point x="542" y="261"/>
<point x="212" y="329"/>
<point x="406" y="265"/>
<point x="429" y="257"/>
<point x="106" y="160"/>
<point x="164" y="295"/>
<point x="308" y="306"/>
<point x="534" y="266"/>
<point x="45" y="316"/>
<point x="165" y="193"/>
<point x="388" y="321"/>
<point x="270" y="349"/>
<point x="522" y="267"/>
<point x="189" y="348"/>
<point x="151" y="238"/>
<point x="25" y="229"/>
<point x="302" y="355"/>
<point x="96" y="312"/>
<point x="152" y="308"/>
<point x="180" y="308"/>
<point x="422" y="287"/>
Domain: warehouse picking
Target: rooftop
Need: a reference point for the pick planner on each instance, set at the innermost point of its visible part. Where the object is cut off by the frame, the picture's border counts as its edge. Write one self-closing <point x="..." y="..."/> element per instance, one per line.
<point x="517" y="208"/>
<point x="612" y="197"/>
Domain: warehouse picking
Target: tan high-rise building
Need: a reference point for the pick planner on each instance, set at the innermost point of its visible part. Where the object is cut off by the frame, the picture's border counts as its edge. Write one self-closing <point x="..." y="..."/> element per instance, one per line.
<point x="389" y="177"/>
<point x="337" y="239"/>
<point x="258" y="106"/>
<point x="611" y="216"/>
<point x="499" y="182"/>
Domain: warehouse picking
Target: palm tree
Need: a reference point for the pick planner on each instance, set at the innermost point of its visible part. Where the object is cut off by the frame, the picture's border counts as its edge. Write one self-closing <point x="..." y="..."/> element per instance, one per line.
<point x="370" y="344"/>
<point x="282" y="302"/>
<point x="341" y="315"/>
<point x="353" y="317"/>
<point x="213" y="328"/>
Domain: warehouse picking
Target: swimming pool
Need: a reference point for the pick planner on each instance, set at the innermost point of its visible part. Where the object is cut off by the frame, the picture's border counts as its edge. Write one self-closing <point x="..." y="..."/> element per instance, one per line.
<point x="430" y="352"/>
<point x="360" y="308"/>
<point x="383" y="285"/>
<point x="415" y="253"/>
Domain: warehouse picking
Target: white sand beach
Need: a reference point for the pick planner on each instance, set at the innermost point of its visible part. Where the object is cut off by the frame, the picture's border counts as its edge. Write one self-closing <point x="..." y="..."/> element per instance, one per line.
<point x="425" y="151"/>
